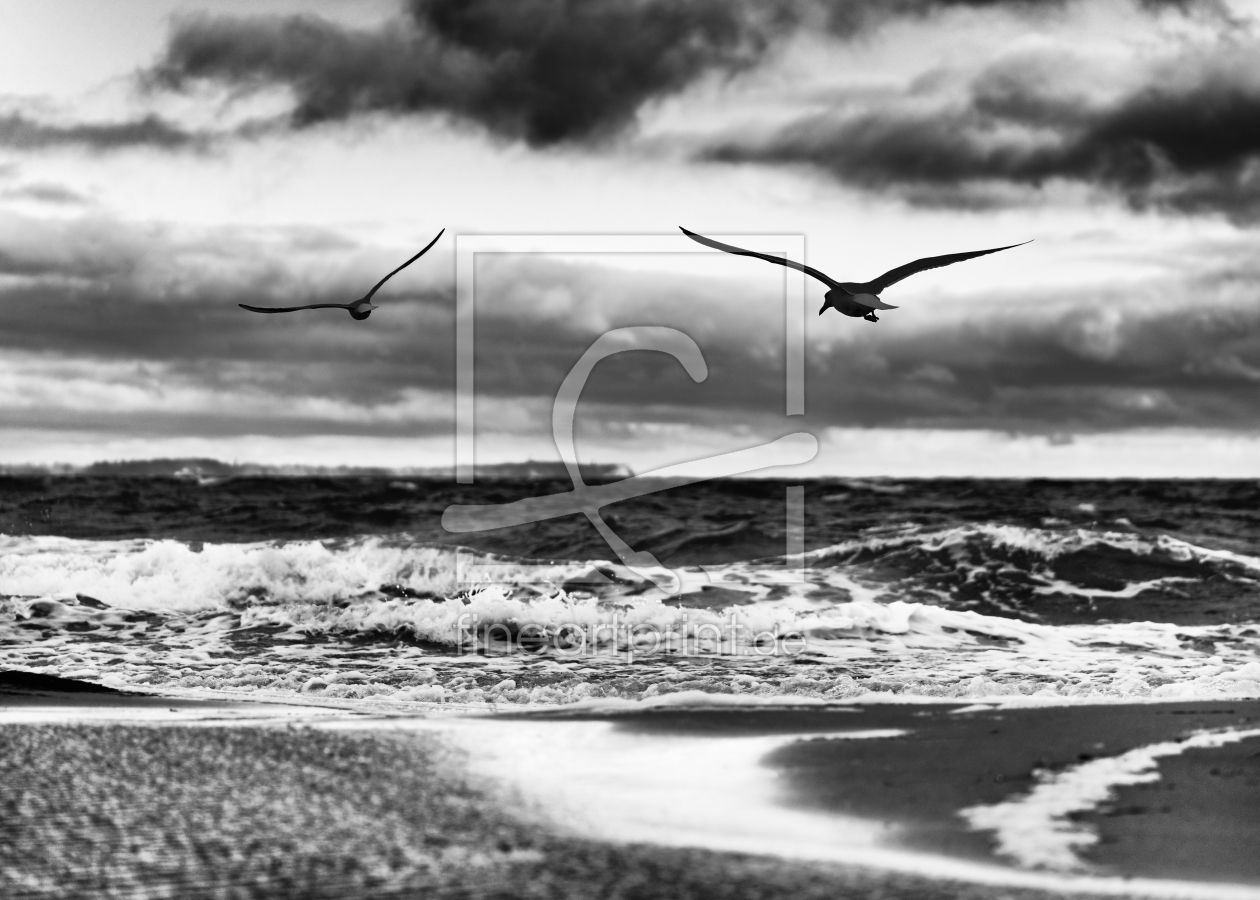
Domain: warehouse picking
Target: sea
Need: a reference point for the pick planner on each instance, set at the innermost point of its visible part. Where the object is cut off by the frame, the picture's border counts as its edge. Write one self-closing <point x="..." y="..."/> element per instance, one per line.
<point x="349" y="589"/>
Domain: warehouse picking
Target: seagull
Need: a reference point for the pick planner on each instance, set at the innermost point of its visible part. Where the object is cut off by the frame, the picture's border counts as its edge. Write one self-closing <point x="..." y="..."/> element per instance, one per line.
<point x="849" y="297"/>
<point x="359" y="309"/>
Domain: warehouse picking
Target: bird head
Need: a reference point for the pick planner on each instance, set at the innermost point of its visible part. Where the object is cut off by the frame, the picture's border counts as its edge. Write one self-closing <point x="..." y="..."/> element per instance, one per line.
<point x="830" y="298"/>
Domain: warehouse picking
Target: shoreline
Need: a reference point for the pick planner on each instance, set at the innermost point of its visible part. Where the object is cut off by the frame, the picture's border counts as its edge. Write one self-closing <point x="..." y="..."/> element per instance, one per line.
<point x="904" y="773"/>
<point x="884" y="768"/>
<point x="168" y="810"/>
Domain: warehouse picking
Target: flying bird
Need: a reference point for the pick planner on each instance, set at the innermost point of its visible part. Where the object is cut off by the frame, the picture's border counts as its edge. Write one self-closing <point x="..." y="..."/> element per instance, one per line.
<point x="850" y="297"/>
<point x="359" y="309"/>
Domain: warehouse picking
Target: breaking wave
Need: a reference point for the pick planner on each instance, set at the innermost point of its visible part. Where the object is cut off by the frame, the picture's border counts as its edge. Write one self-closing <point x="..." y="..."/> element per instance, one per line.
<point x="963" y="611"/>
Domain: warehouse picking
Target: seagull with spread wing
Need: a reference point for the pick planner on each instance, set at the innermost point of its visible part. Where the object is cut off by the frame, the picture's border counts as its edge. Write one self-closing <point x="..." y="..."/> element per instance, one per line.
<point x="850" y="297"/>
<point x="359" y="309"/>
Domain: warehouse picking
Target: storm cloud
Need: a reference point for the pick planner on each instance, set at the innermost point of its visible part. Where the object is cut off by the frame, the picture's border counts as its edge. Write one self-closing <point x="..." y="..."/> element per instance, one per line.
<point x="1186" y="137"/>
<point x="542" y="71"/>
<point x="1181" y="133"/>
<point x="1083" y="367"/>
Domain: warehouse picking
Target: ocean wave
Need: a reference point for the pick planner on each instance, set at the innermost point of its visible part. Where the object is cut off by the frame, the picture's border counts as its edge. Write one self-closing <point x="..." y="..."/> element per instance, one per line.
<point x="180" y="576"/>
<point x="995" y="569"/>
<point x="1037" y="573"/>
<point x="393" y="618"/>
<point x="1013" y="542"/>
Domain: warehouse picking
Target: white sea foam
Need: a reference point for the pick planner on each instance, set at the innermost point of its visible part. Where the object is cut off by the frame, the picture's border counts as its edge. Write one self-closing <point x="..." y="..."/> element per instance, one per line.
<point x="170" y="575"/>
<point x="617" y="783"/>
<point x="1034" y="829"/>
<point x="178" y="576"/>
<point x="341" y="591"/>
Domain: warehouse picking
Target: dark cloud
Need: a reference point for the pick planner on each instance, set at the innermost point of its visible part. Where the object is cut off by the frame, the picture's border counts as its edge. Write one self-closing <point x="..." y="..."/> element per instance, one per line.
<point x="545" y="71"/>
<point x="542" y="71"/>
<point x="1092" y="364"/>
<point x="24" y="133"/>
<point x="1187" y="140"/>
<point x="849" y="18"/>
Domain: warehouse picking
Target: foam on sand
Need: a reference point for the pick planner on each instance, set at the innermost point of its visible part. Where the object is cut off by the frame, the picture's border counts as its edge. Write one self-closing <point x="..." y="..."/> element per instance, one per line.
<point x="680" y="790"/>
<point x="1035" y="831"/>
<point x="711" y="792"/>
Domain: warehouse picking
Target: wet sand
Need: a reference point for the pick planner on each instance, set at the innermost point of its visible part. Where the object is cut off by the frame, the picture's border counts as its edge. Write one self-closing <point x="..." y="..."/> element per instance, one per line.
<point x="1200" y="820"/>
<point x="953" y="757"/>
<point x="280" y="809"/>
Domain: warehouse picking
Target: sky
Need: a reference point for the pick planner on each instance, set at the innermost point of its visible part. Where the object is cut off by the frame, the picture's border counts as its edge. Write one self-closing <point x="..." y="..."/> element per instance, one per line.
<point x="162" y="161"/>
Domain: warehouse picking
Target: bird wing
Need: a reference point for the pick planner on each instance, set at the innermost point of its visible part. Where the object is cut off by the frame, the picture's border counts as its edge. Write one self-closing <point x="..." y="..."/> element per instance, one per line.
<point x="892" y="276"/>
<point x="276" y="309"/>
<point x="404" y="265"/>
<point x="777" y="260"/>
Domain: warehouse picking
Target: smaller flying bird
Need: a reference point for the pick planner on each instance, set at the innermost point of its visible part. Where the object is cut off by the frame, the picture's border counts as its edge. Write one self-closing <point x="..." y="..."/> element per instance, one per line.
<point x="359" y="309"/>
<point x="850" y="297"/>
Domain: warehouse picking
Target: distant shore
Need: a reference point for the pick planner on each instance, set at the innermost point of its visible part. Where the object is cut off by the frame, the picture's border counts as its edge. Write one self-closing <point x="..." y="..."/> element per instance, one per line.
<point x="198" y="467"/>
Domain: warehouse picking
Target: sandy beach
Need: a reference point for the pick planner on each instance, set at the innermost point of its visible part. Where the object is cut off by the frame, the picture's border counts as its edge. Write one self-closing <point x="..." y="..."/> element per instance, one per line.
<point x="169" y="797"/>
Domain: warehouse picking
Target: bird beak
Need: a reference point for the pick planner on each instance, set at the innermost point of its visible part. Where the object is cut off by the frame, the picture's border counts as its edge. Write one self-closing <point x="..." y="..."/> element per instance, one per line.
<point x="823" y="310"/>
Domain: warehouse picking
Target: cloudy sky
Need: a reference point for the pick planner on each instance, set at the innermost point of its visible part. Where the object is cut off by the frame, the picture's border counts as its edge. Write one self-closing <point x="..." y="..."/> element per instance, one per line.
<point x="163" y="160"/>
